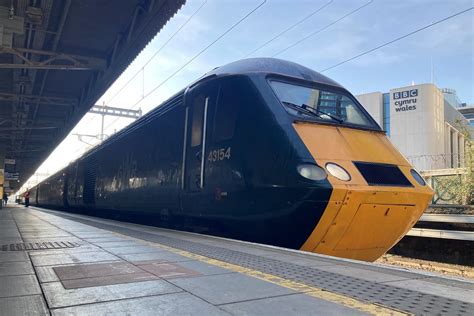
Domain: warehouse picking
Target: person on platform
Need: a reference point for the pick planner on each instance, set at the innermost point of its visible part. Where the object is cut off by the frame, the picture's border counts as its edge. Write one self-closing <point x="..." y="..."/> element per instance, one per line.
<point x="27" y="198"/>
<point x="5" y="198"/>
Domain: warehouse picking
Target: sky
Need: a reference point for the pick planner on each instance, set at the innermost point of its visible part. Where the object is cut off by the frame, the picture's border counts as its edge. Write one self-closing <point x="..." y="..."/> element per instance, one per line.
<point x="443" y="53"/>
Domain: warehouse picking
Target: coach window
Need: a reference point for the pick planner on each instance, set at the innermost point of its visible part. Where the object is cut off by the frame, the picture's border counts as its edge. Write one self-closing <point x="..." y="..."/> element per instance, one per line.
<point x="198" y="117"/>
<point x="225" y="117"/>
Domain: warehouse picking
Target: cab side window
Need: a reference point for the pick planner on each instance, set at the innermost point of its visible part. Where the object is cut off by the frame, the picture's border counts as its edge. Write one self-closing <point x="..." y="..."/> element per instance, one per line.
<point x="198" y="118"/>
<point x="225" y="117"/>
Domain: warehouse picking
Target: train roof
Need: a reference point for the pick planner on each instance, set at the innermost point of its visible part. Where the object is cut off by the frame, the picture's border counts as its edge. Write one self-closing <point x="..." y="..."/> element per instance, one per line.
<point x="272" y="66"/>
<point x="243" y="66"/>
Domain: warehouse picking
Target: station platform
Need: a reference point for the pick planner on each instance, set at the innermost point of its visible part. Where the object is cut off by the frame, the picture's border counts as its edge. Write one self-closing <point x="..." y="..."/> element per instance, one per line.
<point x="68" y="264"/>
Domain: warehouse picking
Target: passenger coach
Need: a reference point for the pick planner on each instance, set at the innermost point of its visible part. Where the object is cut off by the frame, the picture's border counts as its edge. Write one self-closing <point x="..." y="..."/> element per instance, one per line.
<point x="261" y="149"/>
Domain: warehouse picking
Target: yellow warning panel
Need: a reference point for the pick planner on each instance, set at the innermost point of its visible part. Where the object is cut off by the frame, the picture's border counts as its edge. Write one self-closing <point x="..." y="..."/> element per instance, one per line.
<point x="361" y="221"/>
<point x="376" y="226"/>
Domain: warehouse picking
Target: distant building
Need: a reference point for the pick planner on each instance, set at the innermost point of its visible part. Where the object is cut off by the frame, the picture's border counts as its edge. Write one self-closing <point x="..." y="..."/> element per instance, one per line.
<point x="468" y="112"/>
<point x="465" y="109"/>
<point x="423" y="122"/>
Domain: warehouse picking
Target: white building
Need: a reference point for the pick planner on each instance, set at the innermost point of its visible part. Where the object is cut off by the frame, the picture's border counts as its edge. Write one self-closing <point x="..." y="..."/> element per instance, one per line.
<point x="422" y="123"/>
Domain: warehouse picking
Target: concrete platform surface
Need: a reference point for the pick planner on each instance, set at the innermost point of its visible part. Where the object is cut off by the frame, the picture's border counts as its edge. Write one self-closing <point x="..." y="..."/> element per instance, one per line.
<point x="68" y="264"/>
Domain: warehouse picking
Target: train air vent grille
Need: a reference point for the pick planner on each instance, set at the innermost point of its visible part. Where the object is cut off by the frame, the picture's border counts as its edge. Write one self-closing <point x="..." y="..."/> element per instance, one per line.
<point x="382" y="174"/>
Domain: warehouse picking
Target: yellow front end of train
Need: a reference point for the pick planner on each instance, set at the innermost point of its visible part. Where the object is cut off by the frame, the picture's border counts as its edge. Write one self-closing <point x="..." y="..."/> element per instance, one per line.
<point x="361" y="221"/>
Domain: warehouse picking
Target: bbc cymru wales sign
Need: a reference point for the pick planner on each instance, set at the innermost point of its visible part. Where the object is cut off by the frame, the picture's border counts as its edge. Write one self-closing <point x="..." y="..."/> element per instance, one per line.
<point x="405" y="100"/>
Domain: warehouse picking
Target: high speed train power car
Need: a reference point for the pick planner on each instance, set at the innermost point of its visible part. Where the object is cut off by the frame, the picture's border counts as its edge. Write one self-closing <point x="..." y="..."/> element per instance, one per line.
<point x="262" y="150"/>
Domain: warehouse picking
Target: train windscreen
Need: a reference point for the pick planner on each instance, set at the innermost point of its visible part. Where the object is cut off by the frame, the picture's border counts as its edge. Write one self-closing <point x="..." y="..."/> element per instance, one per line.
<point x="305" y="101"/>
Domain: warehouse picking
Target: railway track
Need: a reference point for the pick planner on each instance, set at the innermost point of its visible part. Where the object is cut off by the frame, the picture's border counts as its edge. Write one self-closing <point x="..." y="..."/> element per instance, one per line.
<point x="455" y="270"/>
<point x="442" y="240"/>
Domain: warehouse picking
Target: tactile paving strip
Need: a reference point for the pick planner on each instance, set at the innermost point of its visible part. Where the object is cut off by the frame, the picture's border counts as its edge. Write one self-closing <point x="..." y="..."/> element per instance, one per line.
<point x="399" y="298"/>
<point x="27" y="246"/>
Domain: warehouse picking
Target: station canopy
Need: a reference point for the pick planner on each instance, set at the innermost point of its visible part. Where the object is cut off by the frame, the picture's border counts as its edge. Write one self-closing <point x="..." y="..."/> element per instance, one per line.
<point x="57" y="57"/>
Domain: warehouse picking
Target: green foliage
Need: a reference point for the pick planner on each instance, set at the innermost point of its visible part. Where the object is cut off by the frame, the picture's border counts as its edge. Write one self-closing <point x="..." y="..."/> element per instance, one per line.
<point x="447" y="190"/>
<point x="466" y="186"/>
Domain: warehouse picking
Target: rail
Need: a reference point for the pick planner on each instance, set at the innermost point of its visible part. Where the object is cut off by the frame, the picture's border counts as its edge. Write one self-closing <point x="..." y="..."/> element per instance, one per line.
<point x="441" y="233"/>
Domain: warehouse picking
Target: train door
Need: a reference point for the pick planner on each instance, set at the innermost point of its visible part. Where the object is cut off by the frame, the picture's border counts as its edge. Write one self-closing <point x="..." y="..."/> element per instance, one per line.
<point x="71" y="185"/>
<point x="223" y="170"/>
<point x="65" y="188"/>
<point x="199" y="102"/>
<point x="36" y="195"/>
<point x="214" y="179"/>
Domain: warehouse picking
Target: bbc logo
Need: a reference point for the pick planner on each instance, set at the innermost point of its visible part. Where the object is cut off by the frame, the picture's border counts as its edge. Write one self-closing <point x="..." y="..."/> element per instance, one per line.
<point x="405" y="94"/>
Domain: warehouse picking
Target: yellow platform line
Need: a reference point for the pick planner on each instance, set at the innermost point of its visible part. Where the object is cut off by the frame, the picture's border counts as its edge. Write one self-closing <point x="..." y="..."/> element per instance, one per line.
<point x="370" y="308"/>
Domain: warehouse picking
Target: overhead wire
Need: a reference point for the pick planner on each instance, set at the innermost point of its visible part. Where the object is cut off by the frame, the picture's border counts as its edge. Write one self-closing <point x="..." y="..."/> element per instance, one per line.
<point x="398" y="38"/>
<point x="289" y="28"/>
<point x="159" y="50"/>
<point x="194" y="57"/>
<point x="142" y="68"/>
<point x="322" y="29"/>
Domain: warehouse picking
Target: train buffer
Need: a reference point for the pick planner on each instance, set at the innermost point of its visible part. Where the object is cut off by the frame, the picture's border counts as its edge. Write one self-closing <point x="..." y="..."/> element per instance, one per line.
<point x="64" y="264"/>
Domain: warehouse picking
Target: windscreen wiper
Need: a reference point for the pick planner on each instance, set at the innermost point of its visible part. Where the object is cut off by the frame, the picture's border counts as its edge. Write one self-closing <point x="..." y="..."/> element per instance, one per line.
<point x="301" y="109"/>
<point x="304" y="108"/>
<point x="334" y="117"/>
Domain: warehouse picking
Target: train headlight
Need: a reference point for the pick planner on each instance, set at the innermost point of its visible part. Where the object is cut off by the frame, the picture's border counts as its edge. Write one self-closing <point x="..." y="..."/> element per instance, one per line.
<point x="311" y="172"/>
<point x="417" y="177"/>
<point x="338" y="172"/>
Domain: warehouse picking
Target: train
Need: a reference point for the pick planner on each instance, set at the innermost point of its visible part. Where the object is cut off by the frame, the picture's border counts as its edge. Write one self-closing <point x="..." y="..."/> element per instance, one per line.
<point x="261" y="150"/>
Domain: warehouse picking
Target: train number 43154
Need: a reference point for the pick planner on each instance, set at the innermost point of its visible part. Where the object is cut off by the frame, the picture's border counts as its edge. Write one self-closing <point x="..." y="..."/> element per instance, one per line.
<point x="219" y="154"/>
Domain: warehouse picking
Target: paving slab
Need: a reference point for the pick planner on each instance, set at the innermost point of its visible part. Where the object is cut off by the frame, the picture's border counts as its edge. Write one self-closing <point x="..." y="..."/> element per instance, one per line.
<point x="80" y="249"/>
<point x="168" y="304"/>
<point x="204" y="268"/>
<point x="169" y="270"/>
<point x="64" y="258"/>
<point x="159" y="255"/>
<point x="58" y="296"/>
<point x="131" y="250"/>
<point x="53" y="239"/>
<point x="106" y="239"/>
<point x="47" y="274"/>
<point x="44" y="237"/>
<point x="18" y="285"/>
<point x="7" y="223"/>
<point x="94" y="235"/>
<point x="23" y="305"/>
<point x="9" y="233"/>
<point x="113" y="242"/>
<point x="108" y="280"/>
<point x="8" y="256"/>
<point x="41" y="230"/>
<point x="303" y="260"/>
<point x="298" y="304"/>
<point x="95" y="270"/>
<point x="7" y="241"/>
<point x="228" y="288"/>
<point x="16" y="268"/>
<point x="80" y="229"/>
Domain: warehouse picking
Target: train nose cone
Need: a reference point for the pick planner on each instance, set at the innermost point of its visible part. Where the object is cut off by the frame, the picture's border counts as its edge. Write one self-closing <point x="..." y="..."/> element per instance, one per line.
<point x="365" y="216"/>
